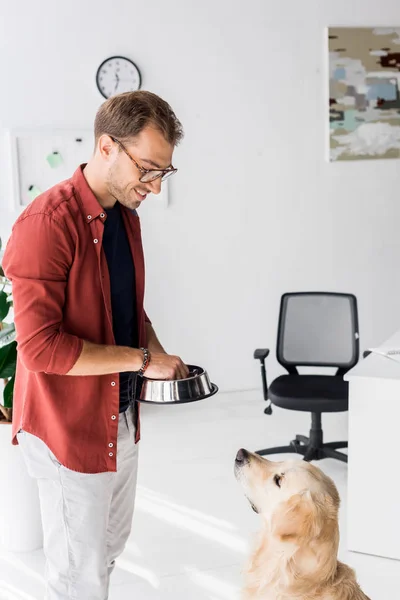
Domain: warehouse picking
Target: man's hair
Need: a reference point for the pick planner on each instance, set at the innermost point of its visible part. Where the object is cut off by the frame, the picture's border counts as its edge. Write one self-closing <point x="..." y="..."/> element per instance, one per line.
<point x="124" y="116"/>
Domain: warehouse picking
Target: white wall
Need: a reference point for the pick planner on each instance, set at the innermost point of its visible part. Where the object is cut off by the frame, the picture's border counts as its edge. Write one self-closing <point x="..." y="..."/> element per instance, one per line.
<point x="255" y="209"/>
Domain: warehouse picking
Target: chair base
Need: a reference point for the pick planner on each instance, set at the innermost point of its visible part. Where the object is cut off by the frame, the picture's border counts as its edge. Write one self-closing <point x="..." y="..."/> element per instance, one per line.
<point x="311" y="448"/>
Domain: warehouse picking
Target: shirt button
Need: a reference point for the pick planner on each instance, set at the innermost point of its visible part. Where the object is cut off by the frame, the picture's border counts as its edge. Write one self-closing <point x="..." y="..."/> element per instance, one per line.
<point x="110" y="445"/>
<point x="110" y="454"/>
<point x="89" y="217"/>
<point x="96" y="240"/>
<point x="102" y="215"/>
<point x="113" y="417"/>
<point x="113" y="383"/>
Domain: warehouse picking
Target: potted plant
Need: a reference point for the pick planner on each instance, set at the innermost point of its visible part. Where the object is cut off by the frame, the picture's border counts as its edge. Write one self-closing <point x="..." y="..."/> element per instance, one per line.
<point x="21" y="531"/>
<point x="8" y="349"/>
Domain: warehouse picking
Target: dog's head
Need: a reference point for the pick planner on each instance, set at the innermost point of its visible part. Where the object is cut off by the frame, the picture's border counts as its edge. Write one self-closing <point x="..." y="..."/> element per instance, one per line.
<point x="296" y="499"/>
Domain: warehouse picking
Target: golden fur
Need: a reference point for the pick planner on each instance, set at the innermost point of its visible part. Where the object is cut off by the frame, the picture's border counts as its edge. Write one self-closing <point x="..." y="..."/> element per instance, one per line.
<point x="295" y="557"/>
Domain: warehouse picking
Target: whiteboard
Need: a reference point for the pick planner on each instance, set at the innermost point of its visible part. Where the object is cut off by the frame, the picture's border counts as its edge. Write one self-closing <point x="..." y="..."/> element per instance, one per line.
<point x="32" y="172"/>
<point x="41" y="159"/>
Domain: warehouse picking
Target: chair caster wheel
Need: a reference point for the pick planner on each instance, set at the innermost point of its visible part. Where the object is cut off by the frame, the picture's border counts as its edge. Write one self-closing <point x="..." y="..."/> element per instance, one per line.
<point x="268" y="410"/>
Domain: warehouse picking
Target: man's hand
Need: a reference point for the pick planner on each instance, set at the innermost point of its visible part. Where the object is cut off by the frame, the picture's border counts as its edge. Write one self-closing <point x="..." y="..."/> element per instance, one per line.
<point x="162" y="365"/>
<point x="166" y="366"/>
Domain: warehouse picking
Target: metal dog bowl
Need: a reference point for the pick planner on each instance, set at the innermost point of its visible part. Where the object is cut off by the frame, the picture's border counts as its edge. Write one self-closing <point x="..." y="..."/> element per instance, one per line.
<point x="178" y="391"/>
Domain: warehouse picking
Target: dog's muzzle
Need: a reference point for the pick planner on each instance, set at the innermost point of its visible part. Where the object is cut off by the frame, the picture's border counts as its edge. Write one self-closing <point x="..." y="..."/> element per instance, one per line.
<point x="242" y="458"/>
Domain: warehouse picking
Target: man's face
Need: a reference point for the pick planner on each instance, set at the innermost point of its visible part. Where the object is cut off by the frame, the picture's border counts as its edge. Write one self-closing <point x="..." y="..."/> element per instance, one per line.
<point x="151" y="151"/>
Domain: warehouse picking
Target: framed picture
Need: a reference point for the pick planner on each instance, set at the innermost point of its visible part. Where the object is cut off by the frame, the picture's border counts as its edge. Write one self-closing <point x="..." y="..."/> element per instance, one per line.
<point x="364" y="93"/>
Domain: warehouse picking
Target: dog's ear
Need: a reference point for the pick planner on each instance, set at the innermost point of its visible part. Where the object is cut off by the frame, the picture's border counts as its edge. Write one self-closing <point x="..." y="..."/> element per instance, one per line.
<point x="298" y="518"/>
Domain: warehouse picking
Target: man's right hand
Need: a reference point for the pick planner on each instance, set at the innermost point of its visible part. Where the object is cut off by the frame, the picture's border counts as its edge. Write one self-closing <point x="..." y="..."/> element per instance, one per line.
<point x="97" y="359"/>
<point x="166" y="366"/>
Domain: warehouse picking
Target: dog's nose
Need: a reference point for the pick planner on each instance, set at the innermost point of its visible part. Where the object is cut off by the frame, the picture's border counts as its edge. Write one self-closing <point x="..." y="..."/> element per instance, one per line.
<point x="242" y="457"/>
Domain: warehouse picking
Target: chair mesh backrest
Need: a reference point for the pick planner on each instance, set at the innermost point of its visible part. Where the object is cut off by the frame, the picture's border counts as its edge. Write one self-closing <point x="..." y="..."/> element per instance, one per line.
<point x="318" y="329"/>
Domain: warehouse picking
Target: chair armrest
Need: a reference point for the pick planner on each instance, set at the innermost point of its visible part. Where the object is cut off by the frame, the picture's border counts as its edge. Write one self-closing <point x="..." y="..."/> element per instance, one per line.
<point x="261" y="353"/>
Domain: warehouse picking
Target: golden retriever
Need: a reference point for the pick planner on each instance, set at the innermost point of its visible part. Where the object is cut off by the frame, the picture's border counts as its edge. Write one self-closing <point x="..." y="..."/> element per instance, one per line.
<point x="295" y="557"/>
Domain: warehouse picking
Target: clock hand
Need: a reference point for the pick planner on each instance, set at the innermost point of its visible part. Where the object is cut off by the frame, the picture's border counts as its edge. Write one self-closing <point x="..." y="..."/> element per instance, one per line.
<point x="117" y="84"/>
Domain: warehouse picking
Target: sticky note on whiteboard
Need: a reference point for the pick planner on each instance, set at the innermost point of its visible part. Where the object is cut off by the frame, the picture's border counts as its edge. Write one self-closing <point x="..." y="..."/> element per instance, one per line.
<point x="54" y="159"/>
<point x="33" y="192"/>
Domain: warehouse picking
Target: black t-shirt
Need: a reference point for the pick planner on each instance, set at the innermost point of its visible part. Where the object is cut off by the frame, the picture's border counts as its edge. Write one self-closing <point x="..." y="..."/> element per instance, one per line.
<point x="123" y="290"/>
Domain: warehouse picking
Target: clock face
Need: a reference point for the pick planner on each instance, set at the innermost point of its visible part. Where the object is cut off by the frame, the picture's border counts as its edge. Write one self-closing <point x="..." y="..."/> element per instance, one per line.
<point x="116" y="75"/>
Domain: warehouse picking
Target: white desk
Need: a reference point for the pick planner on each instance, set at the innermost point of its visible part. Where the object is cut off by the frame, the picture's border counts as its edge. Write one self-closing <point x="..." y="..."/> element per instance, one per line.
<point x="374" y="455"/>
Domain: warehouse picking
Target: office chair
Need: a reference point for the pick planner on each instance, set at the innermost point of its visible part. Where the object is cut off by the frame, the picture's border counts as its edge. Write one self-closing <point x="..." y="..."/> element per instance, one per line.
<point x="316" y="329"/>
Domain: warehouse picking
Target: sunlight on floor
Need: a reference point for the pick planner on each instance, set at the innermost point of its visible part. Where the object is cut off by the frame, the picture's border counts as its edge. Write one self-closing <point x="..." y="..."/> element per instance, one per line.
<point x="18" y="563"/>
<point x="13" y="593"/>
<point x="162" y="499"/>
<point x="145" y="574"/>
<point x="179" y="517"/>
<point x="212" y="583"/>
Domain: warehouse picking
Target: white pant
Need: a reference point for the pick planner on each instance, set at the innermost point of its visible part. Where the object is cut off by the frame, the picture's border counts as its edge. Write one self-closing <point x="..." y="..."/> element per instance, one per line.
<point x="86" y="518"/>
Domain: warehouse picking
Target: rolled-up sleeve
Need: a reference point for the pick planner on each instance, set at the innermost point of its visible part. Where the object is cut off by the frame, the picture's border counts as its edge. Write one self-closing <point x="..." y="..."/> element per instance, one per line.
<point x="37" y="260"/>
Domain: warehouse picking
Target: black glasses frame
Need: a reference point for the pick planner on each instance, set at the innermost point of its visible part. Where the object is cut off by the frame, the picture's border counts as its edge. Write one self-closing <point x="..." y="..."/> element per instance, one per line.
<point x="163" y="173"/>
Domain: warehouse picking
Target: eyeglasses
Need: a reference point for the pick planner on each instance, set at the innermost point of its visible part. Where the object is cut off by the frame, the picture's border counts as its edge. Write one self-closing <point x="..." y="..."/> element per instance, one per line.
<point x="148" y="175"/>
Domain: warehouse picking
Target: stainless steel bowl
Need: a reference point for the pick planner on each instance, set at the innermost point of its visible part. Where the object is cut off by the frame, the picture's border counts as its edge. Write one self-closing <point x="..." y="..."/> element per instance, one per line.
<point x="179" y="391"/>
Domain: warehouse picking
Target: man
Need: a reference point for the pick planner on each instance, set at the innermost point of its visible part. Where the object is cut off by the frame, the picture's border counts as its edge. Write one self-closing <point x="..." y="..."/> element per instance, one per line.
<point x="76" y="263"/>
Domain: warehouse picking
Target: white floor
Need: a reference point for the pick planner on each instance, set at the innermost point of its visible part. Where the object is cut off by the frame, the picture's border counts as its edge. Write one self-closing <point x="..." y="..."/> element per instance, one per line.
<point x="192" y="525"/>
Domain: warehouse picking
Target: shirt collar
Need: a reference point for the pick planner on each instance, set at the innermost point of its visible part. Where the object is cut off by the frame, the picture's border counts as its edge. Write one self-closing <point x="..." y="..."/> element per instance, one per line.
<point x="92" y="209"/>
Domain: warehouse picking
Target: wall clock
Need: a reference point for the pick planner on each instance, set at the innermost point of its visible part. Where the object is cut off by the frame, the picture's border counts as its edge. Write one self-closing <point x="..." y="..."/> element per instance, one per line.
<point x="116" y="75"/>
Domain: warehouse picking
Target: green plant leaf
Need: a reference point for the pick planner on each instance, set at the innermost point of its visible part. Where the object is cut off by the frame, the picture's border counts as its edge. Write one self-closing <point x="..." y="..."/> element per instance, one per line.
<point x="8" y="360"/>
<point x="4" y="306"/>
<point x="8" y="393"/>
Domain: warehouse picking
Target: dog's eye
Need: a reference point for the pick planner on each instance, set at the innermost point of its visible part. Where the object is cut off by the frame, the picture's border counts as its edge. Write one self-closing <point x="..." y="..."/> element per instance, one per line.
<point x="277" y="480"/>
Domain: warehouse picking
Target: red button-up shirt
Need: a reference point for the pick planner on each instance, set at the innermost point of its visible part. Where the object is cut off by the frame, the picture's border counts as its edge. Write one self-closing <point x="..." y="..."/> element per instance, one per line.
<point x="62" y="296"/>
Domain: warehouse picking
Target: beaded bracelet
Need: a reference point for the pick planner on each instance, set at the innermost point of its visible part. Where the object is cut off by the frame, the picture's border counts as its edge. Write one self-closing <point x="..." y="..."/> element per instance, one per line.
<point x="146" y="361"/>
